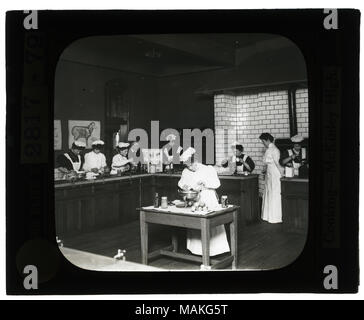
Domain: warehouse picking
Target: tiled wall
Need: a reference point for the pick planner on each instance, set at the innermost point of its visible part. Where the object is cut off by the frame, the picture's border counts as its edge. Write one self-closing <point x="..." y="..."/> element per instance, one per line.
<point x="245" y="117"/>
<point x="226" y="120"/>
<point x="302" y="111"/>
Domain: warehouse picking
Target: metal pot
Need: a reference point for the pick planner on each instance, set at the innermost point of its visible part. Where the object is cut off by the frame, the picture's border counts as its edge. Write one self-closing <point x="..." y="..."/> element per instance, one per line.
<point x="189" y="196"/>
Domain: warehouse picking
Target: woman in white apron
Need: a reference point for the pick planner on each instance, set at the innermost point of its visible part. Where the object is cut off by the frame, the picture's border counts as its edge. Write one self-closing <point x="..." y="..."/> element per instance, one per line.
<point x="120" y="160"/>
<point x="295" y="157"/>
<point x="95" y="160"/>
<point x="197" y="176"/>
<point x="238" y="162"/>
<point x="271" y="206"/>
<point x="171" y="153"/>
<point x="72" y="160"/>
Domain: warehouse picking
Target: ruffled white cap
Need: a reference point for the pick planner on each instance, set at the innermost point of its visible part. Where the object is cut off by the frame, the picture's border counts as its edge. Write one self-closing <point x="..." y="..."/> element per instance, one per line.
<point x="297" y="138"/>
<point x="171" y="137"/>
<point x="236" y="143"/>
<point x="185" y="156"/>
<point x="80" y="144"/>
<point x="123" y="144"/>
<point x="98" y="142"/>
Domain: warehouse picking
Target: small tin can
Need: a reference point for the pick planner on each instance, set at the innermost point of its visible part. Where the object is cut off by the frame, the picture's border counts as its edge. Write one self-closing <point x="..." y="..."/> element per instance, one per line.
<point x="164" y="203"/>
<point x="224" y="201"/>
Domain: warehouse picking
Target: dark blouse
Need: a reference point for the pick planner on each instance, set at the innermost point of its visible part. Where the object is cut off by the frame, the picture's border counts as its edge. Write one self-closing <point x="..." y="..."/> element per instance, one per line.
<point x="63" y="161"/>
<point x="298" y="159"/>
<point x="239" y="162"/>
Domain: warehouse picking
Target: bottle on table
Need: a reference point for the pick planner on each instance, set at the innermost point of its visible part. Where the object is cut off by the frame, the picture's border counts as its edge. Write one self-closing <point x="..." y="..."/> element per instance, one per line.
<point x="156" y="200"/>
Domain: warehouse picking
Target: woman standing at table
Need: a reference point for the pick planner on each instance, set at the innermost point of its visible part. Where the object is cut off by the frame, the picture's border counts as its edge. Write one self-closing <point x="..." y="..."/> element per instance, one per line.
<point x="271" y="206"/>
<point x="199" y="177"/>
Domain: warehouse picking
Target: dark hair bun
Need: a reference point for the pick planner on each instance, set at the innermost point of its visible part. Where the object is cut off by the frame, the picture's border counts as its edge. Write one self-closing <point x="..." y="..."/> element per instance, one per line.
<point x="266" y="136"/>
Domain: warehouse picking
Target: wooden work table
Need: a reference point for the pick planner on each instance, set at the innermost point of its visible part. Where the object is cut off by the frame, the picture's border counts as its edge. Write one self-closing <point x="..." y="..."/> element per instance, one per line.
<point x="191" y="220"/>
<point x="91" y="205"/>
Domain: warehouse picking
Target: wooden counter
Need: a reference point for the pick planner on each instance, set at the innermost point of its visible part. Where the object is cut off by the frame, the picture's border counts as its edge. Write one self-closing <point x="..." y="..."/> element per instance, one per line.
<point x="92" y="205"/>
<point x="86" y="206"/>
<point x="294" y="193"/>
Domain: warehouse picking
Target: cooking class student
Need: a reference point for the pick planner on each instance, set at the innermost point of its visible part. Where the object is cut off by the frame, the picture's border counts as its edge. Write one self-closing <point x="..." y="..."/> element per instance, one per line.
<point x="239" y="161"/>
<point x="171" y="153"/>
<point x="271" y="205"/>
<point x="134" y="152"/>
<point x="72" y="160"/>
<point x="120" y="161"/>
<point x="95" y="160"/>
<point x="202" y="178"/>
<point x="296" y="156"/>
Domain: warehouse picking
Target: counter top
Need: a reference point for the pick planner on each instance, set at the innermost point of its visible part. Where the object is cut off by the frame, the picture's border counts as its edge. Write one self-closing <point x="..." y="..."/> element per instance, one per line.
<point x="295" y="179"/>
<point x="64" y="183"/>
<point x="221" y="176"/>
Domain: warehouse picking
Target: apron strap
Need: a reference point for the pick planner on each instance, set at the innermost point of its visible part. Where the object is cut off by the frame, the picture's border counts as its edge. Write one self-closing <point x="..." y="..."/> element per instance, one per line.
<point x="303" y="153"/>
<point x="73" y="163"/>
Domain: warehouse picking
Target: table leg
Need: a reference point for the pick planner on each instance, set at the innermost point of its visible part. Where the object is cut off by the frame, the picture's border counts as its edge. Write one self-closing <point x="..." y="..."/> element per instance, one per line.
<point x="144" y="237"/>
<point x="205" y="239"/>
<point x="234" y="239"/>
<point x="175" y="240"/>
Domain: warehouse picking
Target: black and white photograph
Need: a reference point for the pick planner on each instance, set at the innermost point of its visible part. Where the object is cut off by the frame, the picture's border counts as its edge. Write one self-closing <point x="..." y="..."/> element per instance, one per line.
<point x="181" y="152"/>
<point x="164" y="153"/>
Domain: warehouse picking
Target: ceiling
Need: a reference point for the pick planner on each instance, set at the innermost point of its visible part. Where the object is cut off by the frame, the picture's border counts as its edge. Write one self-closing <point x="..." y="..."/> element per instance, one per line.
<point x="169" y="54"/>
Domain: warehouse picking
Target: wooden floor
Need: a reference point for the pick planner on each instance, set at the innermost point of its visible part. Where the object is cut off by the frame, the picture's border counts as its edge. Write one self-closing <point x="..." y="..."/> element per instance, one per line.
<point x="261" y="245"/>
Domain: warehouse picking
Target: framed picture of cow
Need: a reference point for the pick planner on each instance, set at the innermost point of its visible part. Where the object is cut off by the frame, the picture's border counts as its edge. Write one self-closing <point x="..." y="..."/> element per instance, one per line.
<point x="83" y="130"/>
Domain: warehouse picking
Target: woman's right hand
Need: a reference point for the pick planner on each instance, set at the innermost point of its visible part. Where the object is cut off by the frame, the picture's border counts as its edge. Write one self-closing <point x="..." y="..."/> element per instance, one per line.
<point x="63" y="170"/>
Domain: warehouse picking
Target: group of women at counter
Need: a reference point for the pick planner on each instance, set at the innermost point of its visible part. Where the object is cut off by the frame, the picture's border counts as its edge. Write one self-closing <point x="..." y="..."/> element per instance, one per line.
<point x="274" y="163"/>
<point x="95" y="161"/>
<point x="124" y="160"/>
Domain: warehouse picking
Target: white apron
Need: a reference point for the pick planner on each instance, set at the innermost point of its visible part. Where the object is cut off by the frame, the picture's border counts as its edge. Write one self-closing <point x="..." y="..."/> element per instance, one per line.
<point x="76" y="165"/>
<point x="218" y="239"/>
<point x="240" y="169"/>
<point x="120" y="162"/>
<point x="272" y="205"/>
<point x="94" y="160"/>
<point x="296" y="165"/>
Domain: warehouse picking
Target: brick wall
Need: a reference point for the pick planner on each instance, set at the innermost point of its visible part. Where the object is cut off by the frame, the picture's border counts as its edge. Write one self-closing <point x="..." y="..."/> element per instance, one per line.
<point x="302" y="111"/>
<point x="245" y="117"/>
<point x="226" y="122"/>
